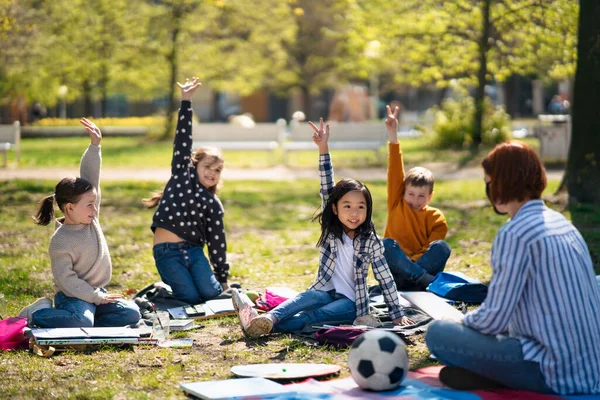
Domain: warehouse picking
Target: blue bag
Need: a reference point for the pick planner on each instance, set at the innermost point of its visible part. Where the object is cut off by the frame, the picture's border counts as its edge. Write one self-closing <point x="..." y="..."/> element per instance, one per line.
<point x="457" y="286"/>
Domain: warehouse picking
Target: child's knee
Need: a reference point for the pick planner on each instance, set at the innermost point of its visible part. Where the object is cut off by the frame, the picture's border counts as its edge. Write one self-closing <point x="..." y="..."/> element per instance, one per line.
<point x="389" y="244"/>
<point x="442" y="246"/>
<point x="131" y="315"/>
<point x="85" y="320"/>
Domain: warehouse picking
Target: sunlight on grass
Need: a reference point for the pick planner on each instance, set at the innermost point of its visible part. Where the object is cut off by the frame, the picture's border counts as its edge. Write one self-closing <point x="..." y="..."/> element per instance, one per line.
<point x="271" y="241"/>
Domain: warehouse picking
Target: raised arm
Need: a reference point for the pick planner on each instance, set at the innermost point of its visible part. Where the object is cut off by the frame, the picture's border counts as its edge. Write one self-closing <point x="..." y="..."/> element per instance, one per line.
<point x="182" y="145"/>
<point x="395" y="174"/>
<point x="391" y="123"/>
<point x="217" y="243"/>
<point x="321" y="139"/>
<point x="91" y="160"/>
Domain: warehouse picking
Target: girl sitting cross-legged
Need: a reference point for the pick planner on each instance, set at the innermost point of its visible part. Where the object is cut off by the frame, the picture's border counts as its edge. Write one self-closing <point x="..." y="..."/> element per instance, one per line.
<point x="348" y="245"/>
<point x="81" y="265"/>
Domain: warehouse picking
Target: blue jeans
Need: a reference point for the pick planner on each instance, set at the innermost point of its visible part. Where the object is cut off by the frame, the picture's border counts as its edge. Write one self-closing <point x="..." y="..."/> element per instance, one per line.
<point x="71" y="312"/>
<point x="499" y="358"/>
<point x="184" y="267"/>
<point x="407" y="272"/>
<point x="313" y="306"/>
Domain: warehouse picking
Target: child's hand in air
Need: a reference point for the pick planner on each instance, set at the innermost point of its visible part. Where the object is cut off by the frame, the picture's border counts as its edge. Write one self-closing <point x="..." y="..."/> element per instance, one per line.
<point x="391" y="123"/>
<point x="93" y="131"/>
<point x="403" y="321"/>
<point x="189" y="88"/>
<point x="321" y="136"/>
<point x="111" y="298"/>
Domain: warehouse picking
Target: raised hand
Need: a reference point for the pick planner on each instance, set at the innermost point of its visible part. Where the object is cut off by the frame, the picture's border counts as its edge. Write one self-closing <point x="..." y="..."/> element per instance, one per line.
<point x="391" y="123"/>
<point x="189" y="88"/>
<point x="320" y="136"/>
<point x="93" y="131"/>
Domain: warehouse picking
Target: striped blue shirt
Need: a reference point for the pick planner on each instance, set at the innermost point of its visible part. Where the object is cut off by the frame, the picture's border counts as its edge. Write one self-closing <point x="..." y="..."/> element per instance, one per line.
<point x="543" y="292"/>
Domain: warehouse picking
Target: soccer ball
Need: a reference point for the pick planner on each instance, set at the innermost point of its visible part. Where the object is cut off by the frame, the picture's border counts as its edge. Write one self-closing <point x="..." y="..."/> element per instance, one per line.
<point x="378" y="360"/>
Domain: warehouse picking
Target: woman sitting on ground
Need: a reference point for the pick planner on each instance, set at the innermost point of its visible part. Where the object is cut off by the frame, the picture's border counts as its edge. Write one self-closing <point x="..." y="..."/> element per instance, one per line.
<point x="538" y="328"/>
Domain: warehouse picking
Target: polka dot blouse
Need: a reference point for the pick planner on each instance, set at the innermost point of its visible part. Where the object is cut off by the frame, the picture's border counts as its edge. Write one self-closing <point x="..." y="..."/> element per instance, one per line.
<point x="187" y="208"/>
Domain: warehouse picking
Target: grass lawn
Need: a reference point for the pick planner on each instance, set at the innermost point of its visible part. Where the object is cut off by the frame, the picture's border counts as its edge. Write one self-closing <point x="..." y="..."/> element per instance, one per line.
<point x="271" y="241"/>
<point x="139" y="152"/>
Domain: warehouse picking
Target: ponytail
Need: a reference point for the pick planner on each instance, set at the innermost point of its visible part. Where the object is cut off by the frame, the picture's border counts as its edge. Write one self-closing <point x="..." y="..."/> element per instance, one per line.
<point x="68" y="190"/>
<point x="153" y="200"/>
<point x="45" y="212"/>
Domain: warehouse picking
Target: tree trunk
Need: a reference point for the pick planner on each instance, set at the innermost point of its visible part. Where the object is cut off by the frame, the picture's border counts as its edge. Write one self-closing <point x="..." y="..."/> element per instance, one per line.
<point x="583" y="166"/>
<point x="87" y="98"/>
<point x="484" y="47"/>
<point x="173" y="63"/>
<point x="103" y="91"/>
<point x="216" y="112"/>
<point x="307" y="103"/>
<point x="441" y="96"/>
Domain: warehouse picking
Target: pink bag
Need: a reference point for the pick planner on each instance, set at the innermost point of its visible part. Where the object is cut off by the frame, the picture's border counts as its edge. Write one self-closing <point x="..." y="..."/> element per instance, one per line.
<point x="273" y="297"/>
<point x="11" y="334"/>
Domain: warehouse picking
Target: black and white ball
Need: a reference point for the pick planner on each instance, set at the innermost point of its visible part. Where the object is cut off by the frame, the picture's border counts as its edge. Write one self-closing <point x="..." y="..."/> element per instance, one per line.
<point x="378" y="360"/>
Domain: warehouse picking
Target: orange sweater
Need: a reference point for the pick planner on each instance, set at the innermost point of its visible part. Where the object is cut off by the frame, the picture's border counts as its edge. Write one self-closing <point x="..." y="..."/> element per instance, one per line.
<point x="413" y="230"/>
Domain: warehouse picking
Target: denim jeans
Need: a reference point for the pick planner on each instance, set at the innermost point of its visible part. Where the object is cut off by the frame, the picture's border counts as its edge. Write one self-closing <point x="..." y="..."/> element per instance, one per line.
<point x="184" y="267"/>
<point x="407" y="272"/>
<point x="71" y="312"/>
<point x="499" y="358"/>
<point x="313" y="306"/>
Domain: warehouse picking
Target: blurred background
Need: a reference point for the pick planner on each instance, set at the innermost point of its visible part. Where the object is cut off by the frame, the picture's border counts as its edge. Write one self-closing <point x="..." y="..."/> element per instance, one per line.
<point x="268" y="59"/>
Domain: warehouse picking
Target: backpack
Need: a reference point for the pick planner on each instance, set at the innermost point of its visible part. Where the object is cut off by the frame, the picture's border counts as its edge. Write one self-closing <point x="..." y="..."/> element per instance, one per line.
<point x="459" y="287"/>
<point x="11" y="334"/>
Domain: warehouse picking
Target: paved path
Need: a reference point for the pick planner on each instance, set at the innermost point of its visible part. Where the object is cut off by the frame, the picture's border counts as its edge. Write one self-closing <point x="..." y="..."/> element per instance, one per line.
<point x="441" y="171"/>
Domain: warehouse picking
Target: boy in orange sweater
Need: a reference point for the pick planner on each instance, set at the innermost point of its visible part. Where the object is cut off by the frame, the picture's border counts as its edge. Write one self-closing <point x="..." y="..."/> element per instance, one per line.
<point x="414" y="236"/>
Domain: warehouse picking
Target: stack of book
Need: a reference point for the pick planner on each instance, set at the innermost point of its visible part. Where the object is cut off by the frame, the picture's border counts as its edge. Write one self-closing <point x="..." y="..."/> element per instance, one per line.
<point x="181" y="324"/>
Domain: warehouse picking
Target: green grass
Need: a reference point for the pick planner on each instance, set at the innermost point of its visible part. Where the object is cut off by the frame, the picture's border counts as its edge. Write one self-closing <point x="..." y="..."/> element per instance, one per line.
<point x="272" y="242"/>
<point x="139" y="152"/>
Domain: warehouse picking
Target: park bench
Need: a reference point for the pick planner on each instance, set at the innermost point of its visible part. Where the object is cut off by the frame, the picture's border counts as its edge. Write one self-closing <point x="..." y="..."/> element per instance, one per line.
<point x="10" y="138"/>
<point x="344" y="135"/>
<point x="263" y="136"/>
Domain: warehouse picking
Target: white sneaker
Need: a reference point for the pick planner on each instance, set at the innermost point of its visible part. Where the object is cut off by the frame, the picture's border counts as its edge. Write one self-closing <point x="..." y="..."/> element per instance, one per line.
<point x="259" y="326"/>
<point x="243" y="307"/>
<point x="39" y="304"/>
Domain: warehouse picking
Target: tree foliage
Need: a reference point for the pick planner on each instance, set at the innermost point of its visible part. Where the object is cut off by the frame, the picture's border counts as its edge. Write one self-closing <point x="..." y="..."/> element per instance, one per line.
<point x="434" y="42"/>
<point x="141" y="47"/>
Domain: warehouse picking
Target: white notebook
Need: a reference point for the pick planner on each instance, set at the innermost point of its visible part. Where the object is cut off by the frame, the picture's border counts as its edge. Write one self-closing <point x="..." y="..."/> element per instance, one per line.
<point x="243" y="388"/>
<point x="433" y="305"/>
<point x="102" y="332"/>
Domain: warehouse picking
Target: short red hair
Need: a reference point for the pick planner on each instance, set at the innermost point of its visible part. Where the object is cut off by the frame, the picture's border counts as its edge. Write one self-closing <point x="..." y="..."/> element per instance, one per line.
<point x="516" y="173"/>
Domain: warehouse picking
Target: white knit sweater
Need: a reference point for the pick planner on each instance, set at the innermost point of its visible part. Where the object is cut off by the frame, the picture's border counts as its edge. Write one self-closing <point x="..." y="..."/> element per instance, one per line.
<point x="79" y="254"/>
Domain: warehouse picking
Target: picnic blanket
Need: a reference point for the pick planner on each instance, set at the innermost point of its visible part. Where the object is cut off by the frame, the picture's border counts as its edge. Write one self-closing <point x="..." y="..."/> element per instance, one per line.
<point x="420" y="384"/>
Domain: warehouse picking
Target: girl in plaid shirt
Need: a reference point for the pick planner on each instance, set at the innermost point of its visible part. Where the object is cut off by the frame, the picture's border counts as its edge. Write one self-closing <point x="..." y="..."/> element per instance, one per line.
<point x="348" y="244"/>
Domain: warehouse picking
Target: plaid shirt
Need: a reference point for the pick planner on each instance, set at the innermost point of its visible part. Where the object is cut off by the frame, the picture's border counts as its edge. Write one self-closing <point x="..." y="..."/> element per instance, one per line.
<point x="368" y="249"/>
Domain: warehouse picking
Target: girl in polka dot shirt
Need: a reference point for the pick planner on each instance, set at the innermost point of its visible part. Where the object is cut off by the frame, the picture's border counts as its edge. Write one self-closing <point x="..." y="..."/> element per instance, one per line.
<point x="190" y="215"/>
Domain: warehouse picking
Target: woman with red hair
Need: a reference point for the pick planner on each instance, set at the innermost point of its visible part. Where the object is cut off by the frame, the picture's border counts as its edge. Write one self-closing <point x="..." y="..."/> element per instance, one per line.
<point x="538" y="328"/>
